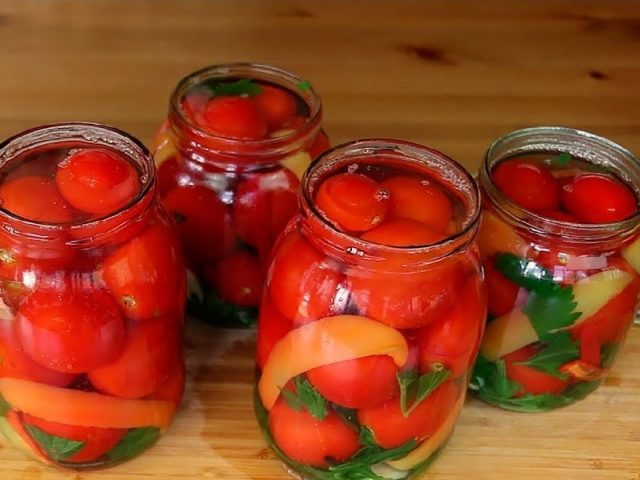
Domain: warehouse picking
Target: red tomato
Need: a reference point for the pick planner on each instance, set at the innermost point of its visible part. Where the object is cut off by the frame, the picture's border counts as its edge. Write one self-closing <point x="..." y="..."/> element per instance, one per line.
<point x="391" y="429"/>
<point x="149" y="355"/>
<point x="264" y="203"/>
<point x="97" y="181"/>
<point x="277" y="104"/>
<point x="234" y="117"/>
<point x="403" y="233"/>
<point x="168" y="173"/>
<point x="360" y="383"/>
<point x="503" y="293"/>
<point x="452" y="339"/>
<point x="302" y="282"/>
<point x="237" y="279"/>
<point x="404" y="301"/>
<point x="352" y="201"/>
<point x="272" y="326"/>
<point x="320" y="144"/>
<point x="15" y="363"/>
<point x="145" y="274"/>
<point x="598" y="198"/>
<point x="203" y="223"/>
<point x="533" y="381"/>
<point x="70" y="330"/>
<point x="96" y="441"/>
<point x="35" y="198"/>
<point x="419" y="199"/>
<point x="559" y="215"/>
<point x="307" y="440"/>
<point x="528" y="184"/>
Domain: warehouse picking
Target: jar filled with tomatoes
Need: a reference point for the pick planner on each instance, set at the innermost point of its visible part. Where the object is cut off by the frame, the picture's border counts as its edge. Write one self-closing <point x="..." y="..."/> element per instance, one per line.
<point x="229" y="157"/>
<point x="560" y="248"/>
<point x="362" y="344"/>
<point x="92" y="288"/>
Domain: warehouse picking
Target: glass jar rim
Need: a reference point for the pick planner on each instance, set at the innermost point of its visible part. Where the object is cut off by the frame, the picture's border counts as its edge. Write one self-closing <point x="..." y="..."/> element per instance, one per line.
<point x="256" y="71"/>
<point x="404" y="151"/>
<point x="95" y="134"/>
<point x="557" y="140"/>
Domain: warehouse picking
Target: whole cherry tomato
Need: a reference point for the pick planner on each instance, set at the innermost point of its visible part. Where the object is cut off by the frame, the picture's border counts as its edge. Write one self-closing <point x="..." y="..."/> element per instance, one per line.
<point x="452" y="340"/>
<point x="302" y="283"/>
<point x="391" y="428"/>
<point x="203" y="223"/>
<point x="234" y="117"/>
<point x="95" y="441"/>
<point x="352" y="201"/>
<point x="35" y="198"/>
<point x="533" y="381"/>
<point x="264" y="203"/>
<point x="70" y="330"/>
<point x="277" y="104"/>
<point x="598" y="198"/>
<point x="149" y="355"/>
<point x="17" y="364"/>
<point x="97" y="181"/>
<point x="503" y="293"/>
<point x="272" y="326"/>
<point x="360" y="383"/>
<point x="332" y="439"/>
<point x="237" y="278"/>
<point x="418" y="199"/>
<point x="528" y="184"/>
<point x="145" y="274"/>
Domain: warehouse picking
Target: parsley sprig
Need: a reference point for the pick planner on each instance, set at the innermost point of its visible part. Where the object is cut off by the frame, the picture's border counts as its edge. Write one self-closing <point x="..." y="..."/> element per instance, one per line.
<point x="562" y="160"/>
<point x="244" y="86"/>
<point x="306" y="397"/>
<point x="57" y="448"/>
<point x="415" y="389"/>
<point x="560" y="348"/>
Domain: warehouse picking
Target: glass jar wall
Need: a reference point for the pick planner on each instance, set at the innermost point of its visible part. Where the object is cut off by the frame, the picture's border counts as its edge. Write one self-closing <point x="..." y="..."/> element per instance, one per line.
<point x="559" y="240"/>
<point x="230" y="155"/>
<point x="363" y="344"/>
<point x="92" y="287"/>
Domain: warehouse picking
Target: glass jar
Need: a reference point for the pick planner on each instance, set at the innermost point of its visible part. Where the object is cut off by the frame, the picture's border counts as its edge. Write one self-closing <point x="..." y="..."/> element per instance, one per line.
<point x="92" y="288"/>
<point x="361" y="344"/>
<point x="560" y="252"/>
<point x="230" y="154"/>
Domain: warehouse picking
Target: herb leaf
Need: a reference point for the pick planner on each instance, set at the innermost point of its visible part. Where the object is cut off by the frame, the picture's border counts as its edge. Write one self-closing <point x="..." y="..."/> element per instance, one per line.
<point x="491" y="378"/>
<point x="243" y="86"/>
<point x="57" y="448"/>
<point x="552" y="311"/>
<point x="526" y="273"/>
<point x="416" y="389"/>
<point x="4" y="406"/>
<point x="608" y="353"/>
<point x="563" y="159"/>
<point x="133" y="443"/>
<point x="559" y="349"/>
<point x="304" y="85"/>
<point x="306" y="397"/>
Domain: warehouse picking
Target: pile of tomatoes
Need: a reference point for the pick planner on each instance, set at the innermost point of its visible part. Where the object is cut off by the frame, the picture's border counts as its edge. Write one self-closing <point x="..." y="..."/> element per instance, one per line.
<point x="92" y="294"/>
<point x="229" y="217"/>
<point x="390" y="303"/>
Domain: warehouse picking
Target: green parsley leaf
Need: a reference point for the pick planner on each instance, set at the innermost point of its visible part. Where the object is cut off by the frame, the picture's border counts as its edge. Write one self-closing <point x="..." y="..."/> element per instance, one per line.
<point x="563" y="159"/>
<point x="218" y="312"/>
<point x="58" y="449"/>
<point x="490" y="378"/>
<point x="243" y="86"/>
<point x="306" y="397"/>
<point x="559" y="349"/>
<point x="4" y="406"/>
<point x="304" y="85"/>
<point x="608" y="353"/>
<point x="526" y="273"/>
<point x="416" y="389"/>
<point x="551" y="311"/>
<point x="133" y="443"/>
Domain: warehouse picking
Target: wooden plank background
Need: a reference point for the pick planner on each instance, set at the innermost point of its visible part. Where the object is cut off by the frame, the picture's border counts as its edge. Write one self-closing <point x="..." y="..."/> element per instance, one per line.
<point x="451" y="74"/>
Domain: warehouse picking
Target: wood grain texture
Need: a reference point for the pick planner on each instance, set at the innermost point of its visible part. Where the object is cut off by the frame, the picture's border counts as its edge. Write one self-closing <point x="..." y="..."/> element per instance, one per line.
<point x="451" y="74"/>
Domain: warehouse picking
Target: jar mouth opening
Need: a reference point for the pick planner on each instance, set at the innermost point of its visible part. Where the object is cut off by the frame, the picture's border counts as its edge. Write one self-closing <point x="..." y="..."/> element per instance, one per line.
<point x="555" y="140"/>
<point x="84" y="133"/>
<point x="252" y="71"/>
<point x="448" y="171"/>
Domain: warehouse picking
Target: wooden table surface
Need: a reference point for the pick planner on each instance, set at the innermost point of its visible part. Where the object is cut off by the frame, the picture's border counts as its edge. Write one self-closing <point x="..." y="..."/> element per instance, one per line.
<point x="451" y="74"/>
